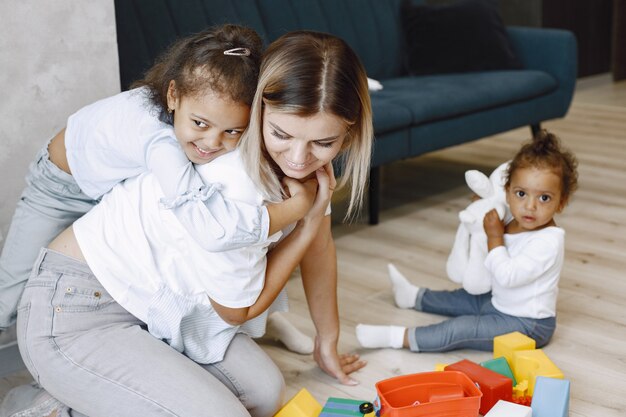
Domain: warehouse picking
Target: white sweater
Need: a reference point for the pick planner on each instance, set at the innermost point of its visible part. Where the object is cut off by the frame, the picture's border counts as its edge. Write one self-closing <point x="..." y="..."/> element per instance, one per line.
<point x="526" y="272"/>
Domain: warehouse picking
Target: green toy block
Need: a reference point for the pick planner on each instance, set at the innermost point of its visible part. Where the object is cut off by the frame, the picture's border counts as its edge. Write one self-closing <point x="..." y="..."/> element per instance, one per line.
<point x="342" y="407"/>
<point x="501" y="366"/>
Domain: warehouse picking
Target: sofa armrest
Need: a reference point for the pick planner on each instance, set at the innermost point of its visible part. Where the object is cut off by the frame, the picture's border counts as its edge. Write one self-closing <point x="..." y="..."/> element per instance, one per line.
<point x="551" y="50"/>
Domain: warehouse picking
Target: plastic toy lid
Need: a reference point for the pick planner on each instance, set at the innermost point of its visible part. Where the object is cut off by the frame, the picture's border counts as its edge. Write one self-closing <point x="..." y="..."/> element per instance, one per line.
<point x="366" y="408"/>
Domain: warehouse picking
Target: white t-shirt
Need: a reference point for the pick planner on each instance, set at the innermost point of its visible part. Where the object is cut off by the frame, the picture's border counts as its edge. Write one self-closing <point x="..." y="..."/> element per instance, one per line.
<point x="122" y="136"/>
<point x="526" y="272"/>
<point x="154" y="269"/>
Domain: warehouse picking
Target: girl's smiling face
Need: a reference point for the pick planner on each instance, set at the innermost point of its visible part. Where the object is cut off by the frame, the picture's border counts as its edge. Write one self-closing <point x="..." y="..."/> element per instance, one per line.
<point x="534" y="196"/>
<point x="207" y="126"/>
<point x="300" y="145"/>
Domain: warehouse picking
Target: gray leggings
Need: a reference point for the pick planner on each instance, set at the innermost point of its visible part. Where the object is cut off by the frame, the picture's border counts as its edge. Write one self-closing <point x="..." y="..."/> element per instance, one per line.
<point x="99" y="360"/>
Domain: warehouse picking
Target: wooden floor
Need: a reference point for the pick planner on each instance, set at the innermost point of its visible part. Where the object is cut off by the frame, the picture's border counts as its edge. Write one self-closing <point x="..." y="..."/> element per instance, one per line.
<point x="421" y="200"/>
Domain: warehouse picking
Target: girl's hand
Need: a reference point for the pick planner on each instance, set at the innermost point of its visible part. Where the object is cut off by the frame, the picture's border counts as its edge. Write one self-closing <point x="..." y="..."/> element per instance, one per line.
<point x="335" y="365"/>
<point x="494" y="227"/>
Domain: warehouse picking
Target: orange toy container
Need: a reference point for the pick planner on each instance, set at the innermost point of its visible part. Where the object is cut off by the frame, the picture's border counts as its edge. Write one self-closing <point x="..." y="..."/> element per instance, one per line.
<point x="432" y="394"/>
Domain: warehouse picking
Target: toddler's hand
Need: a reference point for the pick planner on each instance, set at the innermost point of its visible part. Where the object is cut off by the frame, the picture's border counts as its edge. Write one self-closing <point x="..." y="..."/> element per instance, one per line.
<point x="494" y="227"/>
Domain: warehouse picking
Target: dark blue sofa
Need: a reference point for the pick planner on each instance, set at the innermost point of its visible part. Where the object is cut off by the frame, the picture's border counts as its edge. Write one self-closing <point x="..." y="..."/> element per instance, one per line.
<point x="412" y="115"/>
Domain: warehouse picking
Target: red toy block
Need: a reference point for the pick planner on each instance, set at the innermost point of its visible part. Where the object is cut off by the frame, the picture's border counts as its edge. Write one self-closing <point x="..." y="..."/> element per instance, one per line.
<point x="493" y="386"/>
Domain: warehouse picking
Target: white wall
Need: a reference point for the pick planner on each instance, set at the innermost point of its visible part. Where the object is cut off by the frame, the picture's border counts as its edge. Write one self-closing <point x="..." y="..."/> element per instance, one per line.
<point x="55" y="57"/>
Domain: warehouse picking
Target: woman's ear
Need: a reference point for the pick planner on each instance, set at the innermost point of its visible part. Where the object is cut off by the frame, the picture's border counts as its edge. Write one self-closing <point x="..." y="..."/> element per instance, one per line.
<point x="172" y="96"/>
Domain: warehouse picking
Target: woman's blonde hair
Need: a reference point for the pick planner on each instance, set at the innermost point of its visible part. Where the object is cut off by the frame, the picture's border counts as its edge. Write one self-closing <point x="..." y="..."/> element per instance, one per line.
<point x="305" y="73"/>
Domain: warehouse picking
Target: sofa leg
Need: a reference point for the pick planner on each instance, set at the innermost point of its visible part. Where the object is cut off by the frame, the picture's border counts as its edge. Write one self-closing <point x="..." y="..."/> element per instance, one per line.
<point x="374" y="194"/>
<point x="536" y="128"/>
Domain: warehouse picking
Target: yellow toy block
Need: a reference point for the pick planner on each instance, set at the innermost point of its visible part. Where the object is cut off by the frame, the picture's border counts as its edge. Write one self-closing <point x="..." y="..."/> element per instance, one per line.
<point x="440" y="366"/>
<point x="520" y="389"/>
<point x="529" y="364"/>
<point x="301" y="405"/>
<point x="506" y="344"/>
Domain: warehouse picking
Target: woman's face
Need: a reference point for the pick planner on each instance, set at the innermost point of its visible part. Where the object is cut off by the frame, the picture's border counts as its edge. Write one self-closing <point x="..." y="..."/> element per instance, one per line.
<point x="300" y="145"/>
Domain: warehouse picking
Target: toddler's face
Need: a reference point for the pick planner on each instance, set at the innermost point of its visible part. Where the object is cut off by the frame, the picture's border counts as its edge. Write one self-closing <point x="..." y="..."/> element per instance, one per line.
<point x="534" y="196"/>
<point x="208" y="126"/>
<point x="300" y="145"/>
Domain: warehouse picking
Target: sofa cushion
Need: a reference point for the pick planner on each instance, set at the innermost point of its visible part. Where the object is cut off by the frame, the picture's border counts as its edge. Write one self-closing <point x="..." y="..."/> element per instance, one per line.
<point x="438" y="97"/>
<point x="389" y="116"/>
<point x="468" y="35"/>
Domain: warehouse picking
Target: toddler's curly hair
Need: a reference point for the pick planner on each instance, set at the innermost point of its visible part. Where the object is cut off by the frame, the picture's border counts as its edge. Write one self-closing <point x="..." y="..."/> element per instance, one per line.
<point x="545" y="151"/>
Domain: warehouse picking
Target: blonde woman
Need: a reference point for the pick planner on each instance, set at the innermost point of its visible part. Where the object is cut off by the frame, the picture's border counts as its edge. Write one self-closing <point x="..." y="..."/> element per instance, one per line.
<point x="311" y="107"/>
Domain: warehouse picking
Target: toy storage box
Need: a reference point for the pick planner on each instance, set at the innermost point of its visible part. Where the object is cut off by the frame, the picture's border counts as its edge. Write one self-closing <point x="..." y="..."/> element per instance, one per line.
<point x="432" y="394"/>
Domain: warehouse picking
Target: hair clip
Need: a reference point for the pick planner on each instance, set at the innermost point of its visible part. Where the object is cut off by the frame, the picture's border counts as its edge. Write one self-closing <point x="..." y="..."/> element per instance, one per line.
<point x="237" y="52"/>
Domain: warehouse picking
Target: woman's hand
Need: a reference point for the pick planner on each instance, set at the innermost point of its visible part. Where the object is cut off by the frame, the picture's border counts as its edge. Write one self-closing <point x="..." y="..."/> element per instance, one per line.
<point x="301" y="193"/>
<point x="335" y="365"/>
<point x="326" y="184"/>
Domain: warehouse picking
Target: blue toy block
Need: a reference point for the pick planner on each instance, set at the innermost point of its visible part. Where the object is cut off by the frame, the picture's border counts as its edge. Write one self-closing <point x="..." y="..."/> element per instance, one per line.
<point x="551" y="397"/>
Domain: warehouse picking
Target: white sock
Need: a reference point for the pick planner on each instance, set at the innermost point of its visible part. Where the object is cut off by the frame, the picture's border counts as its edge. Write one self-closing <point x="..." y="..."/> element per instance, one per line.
<point x="404" y="292"/>
<point x="281" y="329"/>
<point x="371" y="336"/>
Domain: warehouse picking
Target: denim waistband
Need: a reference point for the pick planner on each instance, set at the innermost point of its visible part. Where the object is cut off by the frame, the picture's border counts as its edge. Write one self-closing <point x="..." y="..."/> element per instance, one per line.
<point x="53" y="261"/>
<point x="48" y="167"/>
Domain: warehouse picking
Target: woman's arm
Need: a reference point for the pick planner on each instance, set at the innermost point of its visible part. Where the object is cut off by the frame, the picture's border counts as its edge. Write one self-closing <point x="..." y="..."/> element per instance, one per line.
<point x="319" y="278"/>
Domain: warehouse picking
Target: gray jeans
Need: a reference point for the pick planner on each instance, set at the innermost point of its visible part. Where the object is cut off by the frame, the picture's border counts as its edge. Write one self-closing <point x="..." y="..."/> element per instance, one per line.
<point x="49" y="204"/>
<point x="93" y="356"/>
<point x="474" y="323"/>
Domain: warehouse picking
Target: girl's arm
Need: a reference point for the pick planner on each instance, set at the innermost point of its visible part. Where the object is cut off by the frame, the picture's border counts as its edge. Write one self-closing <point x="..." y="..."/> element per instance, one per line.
<point x="281" y="262"/>
<point x="283" y="259"/>
<point x="216" y="223"/>
<point x="530" y="262"/>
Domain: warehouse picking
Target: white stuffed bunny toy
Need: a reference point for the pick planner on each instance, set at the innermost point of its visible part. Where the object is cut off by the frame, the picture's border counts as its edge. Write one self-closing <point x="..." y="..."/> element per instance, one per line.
<point x="466" y="263"/>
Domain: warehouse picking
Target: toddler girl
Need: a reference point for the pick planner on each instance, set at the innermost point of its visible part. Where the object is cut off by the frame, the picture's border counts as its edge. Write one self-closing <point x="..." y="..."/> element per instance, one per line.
<point x="525" y="258"/>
